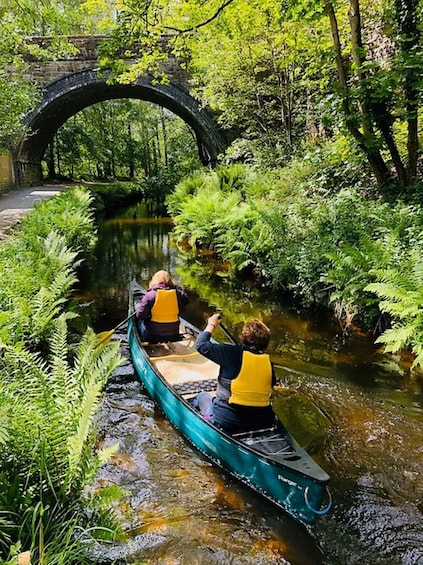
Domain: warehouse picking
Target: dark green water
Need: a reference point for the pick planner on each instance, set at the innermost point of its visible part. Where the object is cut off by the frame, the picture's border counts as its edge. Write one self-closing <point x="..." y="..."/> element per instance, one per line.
<point x="180" y="509"/>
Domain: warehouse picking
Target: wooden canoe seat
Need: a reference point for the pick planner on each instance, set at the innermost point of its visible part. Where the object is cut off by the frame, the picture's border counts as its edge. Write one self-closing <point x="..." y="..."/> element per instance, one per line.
<point x="177" y="369"/>
<point x="182" y="347"/>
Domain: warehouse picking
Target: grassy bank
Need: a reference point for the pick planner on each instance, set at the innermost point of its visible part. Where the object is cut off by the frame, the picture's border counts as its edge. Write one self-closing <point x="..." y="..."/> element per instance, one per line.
<point x="50" y="390"/>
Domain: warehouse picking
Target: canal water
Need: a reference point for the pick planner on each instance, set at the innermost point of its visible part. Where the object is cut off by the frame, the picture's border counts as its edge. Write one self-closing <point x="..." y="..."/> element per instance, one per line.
<point x="358" y="412"/>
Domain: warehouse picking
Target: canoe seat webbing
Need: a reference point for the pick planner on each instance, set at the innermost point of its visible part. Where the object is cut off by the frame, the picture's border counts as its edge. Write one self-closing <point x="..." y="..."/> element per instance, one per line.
<point x="193" y="387"/>
<point x="269" y="442"/>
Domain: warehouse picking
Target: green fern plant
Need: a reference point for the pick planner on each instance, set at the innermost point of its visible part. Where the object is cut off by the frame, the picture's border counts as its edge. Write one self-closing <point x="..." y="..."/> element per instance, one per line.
<point x="50" y="454"/>
<point x="30" y="317"/>
<point x="401" y="292"/>
<point x="242" y="238"/>
<point x="202" y="215"/>
<point x="352" y="268"/>
<point x="348" y="273"/>
<point x="69" y="214"/>
<point x="55" y="402"/>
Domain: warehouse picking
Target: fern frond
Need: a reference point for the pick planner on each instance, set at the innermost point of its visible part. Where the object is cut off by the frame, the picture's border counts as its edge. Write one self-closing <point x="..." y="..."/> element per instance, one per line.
<point x="57" y="251"/>
<point x="4" y="421"/>
<point x="107" y="495"/>
<point x="77" y="442"/>
<point x="48" y="303"/>
<point x="92" y="367"/>
<point x="401" y="293"/>
<point x="396" y="338"/>
<point x="104" y="454"/>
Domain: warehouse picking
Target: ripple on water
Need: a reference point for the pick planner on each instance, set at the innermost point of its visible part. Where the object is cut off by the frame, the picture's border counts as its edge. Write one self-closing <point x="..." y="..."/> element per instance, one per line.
<point x="375" y="458"/>
<point x="180" y="509"/>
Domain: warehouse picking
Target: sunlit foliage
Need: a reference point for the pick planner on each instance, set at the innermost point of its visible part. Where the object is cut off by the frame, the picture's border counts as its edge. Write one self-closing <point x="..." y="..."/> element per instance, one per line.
<point x="50" y="391"/>
<point x="19" y="21"/>
<point x="279" y="74"/>
<point x="330" y="247"/>
<point x="125" y="139"/>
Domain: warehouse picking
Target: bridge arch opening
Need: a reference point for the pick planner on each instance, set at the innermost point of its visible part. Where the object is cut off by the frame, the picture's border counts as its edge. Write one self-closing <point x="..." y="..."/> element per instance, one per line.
<point x="72" y="93"/>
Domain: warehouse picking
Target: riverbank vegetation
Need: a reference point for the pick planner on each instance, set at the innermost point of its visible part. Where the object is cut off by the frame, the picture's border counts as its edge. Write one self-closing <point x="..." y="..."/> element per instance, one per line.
<point x="298" y="234"/>
<point x="50" y="392"/>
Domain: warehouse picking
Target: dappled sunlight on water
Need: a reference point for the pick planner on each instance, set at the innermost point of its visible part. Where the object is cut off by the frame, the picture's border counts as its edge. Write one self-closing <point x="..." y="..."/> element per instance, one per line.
<point x="178" y="506"/>
<point x="358" y="411"/>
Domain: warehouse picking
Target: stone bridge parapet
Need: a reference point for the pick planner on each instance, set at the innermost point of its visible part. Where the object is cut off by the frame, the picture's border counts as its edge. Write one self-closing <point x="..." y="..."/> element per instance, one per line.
<point x="86" y="57"/>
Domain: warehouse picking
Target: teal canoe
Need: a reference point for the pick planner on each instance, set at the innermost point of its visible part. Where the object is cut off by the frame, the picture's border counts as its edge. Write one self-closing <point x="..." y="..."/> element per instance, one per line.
<point x="269" y="461"/>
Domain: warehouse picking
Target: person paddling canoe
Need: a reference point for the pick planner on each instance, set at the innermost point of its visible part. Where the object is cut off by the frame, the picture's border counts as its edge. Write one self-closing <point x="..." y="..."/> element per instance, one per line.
<point x="245" y="381"/>
<point x="158" y="311"/>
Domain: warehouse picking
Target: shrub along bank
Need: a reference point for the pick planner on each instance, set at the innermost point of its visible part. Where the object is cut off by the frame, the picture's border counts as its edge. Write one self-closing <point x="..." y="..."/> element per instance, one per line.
<point x="49" y="390"/>
<point x="343" y="246"/>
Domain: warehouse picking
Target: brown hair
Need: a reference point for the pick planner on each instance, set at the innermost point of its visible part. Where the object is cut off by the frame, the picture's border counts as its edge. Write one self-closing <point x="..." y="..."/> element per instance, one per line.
<point x="255" y="334"/>
<point x="161" y="277"/>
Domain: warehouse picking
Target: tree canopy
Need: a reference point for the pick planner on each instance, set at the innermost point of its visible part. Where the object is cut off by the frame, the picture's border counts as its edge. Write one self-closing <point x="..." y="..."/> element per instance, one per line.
<point x="280" y="74"/>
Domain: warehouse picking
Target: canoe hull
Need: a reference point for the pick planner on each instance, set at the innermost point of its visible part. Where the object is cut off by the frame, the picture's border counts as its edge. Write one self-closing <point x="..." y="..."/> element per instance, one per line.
<point x="297" y="493"/>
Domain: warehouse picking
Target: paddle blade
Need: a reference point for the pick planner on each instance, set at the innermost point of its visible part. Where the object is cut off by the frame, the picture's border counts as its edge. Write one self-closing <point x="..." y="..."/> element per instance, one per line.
<point x="103" y="338"/>
<point x="300" y="416"/>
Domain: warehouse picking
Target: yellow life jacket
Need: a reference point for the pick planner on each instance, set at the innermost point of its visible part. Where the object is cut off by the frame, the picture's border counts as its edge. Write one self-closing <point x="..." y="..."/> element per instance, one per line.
<point x="165" y="308"/>
<point x="253" y="385"/>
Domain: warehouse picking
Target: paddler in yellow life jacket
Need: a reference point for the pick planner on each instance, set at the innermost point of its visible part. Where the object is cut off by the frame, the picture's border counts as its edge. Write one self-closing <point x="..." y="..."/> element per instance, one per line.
<point x="245" y="381"/>
<point x="158" y="311"/>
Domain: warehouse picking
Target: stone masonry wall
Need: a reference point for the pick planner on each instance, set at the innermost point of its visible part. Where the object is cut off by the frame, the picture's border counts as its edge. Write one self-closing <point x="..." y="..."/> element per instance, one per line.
<point x="7" y="177"/>
<point x="45" y="72"/>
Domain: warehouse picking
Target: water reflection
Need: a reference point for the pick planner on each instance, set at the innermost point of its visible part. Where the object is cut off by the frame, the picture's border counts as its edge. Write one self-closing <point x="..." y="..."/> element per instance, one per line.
<point x="179" y="508"/>
<point x="189" y="512"/>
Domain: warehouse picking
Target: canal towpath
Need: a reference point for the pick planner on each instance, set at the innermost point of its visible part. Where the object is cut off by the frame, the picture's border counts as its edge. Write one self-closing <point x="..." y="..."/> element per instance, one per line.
<point x="16" y="203"/>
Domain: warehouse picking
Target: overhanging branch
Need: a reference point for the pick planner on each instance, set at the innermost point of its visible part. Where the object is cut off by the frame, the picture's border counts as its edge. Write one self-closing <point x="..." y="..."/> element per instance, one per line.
<point x="204" y="23"/>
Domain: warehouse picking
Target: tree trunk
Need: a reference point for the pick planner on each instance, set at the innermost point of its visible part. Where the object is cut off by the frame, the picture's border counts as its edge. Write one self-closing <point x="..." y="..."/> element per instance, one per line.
<point x="164" y="133"/>
<point x="358" y="57"/>
<point x="409" y="41"/>
<point x="50" y="161"/>
<point x="365" y="139"/>
<point x="131" y="158"/>
<point x="57" y="155"/>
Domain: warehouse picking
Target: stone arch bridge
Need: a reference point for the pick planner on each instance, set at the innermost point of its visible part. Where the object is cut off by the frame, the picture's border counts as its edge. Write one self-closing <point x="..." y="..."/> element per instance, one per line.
<point x="71" y="84"/>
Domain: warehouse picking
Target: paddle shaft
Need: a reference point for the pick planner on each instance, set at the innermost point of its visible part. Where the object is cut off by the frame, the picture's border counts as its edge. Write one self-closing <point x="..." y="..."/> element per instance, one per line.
<point x="227" y="332"/>
<point x="124" y="321"/>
